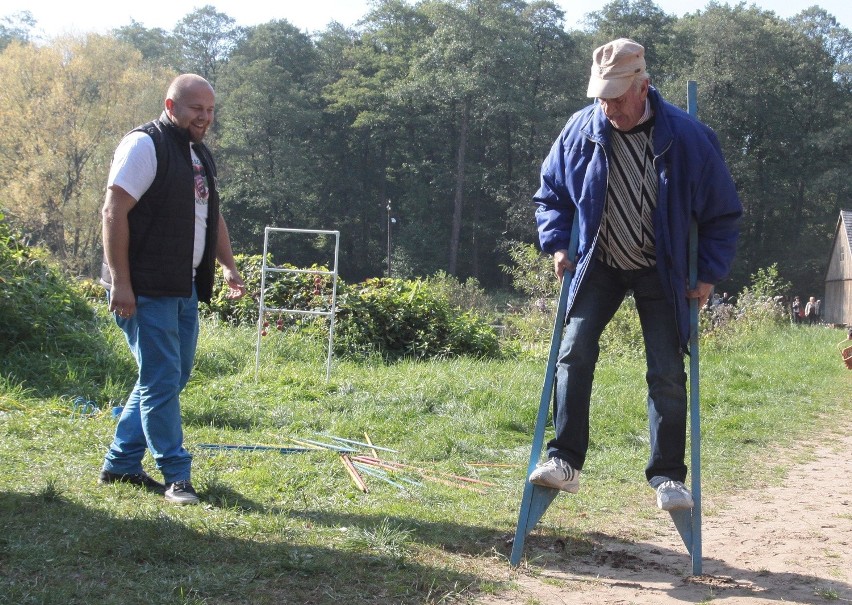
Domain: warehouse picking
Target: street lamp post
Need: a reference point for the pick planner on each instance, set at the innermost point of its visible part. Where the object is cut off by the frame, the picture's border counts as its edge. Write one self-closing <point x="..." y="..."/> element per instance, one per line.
<point x="390" y="220"/>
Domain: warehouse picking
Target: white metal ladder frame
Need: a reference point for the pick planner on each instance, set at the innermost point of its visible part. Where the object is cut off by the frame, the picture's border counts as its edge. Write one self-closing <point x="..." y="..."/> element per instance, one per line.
<point x="263" y="309"/>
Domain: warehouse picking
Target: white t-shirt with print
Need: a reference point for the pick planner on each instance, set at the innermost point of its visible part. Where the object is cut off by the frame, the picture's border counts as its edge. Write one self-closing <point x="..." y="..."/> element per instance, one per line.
<point x="134" y="167"/>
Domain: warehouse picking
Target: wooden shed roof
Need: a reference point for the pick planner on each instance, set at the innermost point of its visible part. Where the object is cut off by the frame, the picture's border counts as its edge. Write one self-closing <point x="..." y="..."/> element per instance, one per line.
<point x="846" y="219"/>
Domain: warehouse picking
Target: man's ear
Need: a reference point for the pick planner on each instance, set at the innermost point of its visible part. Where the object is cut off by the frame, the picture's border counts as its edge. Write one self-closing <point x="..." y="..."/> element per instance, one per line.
<point x="170" y="105"/>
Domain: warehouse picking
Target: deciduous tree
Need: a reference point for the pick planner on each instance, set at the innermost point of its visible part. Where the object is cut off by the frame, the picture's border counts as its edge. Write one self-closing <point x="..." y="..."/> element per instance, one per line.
<point x="63" y="108"/>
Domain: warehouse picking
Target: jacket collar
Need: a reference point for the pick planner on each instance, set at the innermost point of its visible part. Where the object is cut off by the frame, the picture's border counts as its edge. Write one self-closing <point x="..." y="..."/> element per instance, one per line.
<point x="181" y="134"/>
<point x="598" y="128"/>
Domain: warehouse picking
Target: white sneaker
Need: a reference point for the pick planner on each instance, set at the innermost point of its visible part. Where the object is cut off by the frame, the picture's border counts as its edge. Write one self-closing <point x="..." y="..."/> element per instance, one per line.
<point x="558" y="474"/>
<point x="673" y="495"/>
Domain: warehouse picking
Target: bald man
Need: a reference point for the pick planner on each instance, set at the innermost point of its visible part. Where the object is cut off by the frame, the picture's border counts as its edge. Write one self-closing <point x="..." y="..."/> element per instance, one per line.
<point x="163" y="234"/>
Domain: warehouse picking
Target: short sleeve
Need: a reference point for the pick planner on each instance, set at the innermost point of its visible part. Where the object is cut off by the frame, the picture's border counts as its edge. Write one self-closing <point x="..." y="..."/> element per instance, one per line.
<point x="134" y="164"/>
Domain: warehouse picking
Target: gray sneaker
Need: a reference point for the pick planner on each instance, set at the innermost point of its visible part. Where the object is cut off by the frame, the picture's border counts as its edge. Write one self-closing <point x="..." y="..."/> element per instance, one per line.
<point x="181" y="492"/>
<point x="558" y="474"/>
<point x="673" y="495"/>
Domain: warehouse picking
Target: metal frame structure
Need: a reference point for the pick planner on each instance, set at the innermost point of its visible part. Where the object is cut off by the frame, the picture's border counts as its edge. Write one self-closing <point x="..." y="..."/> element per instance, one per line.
<point x="536" y="498"/>
<point x="263" y="309"/>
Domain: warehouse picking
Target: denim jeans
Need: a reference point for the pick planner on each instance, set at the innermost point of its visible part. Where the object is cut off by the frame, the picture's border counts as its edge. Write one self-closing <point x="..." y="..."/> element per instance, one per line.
<point x="162" y="336"/>
<point x="596" y="302"/>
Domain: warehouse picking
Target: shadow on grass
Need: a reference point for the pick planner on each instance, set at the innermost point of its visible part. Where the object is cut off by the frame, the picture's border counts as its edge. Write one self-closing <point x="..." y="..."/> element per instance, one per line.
<point x="222" y="496"/>
<point x="54" y="550"/>
<point x="602" y="560"/>
<point x="448" y="536"/>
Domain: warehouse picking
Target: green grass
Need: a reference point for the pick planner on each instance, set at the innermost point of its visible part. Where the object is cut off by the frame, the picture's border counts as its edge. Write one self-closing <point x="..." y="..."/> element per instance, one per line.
<point x="293" y="528"/>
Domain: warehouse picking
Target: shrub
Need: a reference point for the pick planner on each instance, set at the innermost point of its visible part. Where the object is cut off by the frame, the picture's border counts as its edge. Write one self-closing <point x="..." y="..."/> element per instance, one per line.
<point x="392" y="318"/>
<point x="49" y="333"/>
<point x="531" y="271"/>
<point x="406" y="319"/>
<point x="303" y="291"/>
<point x="759" y="304"/>
<point x="767" y="283"/>
<point x="37" y="306"/>
<point x="466" y="296"/>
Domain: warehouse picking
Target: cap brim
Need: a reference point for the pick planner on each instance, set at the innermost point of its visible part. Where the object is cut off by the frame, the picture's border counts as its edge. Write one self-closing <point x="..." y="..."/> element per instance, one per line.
<point x="608" y="89"/>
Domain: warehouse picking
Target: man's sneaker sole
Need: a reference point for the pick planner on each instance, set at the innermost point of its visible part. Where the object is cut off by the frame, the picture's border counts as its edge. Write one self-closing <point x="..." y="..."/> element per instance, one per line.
<point x="181" y="493"/>
<point x="556" y="474"/>
<point x="673" y="495"/>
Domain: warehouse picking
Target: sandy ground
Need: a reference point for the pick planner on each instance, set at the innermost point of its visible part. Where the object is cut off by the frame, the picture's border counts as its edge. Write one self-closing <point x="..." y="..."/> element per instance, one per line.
<point x="787" y="544"/>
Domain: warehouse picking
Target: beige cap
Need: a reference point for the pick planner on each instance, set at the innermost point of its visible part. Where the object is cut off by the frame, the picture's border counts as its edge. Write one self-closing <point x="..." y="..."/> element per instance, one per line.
<point x="613" y="67"/>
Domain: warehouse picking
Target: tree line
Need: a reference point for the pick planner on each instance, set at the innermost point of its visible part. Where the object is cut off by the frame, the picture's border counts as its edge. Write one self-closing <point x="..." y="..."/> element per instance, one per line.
<point x="428" y="119"/>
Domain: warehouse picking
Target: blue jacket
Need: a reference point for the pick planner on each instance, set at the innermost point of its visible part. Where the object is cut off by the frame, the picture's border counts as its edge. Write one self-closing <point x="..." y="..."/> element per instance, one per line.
<point x="694" y="182"/>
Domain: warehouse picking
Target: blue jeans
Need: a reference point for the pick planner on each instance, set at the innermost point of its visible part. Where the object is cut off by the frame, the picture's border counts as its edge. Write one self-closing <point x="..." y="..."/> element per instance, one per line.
<point x="162" y="335"/>
<point x="594" y="306"/>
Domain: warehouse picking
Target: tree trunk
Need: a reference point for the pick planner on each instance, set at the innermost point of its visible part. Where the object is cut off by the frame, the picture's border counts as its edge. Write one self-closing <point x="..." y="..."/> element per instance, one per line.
<point x="458" y="200"/>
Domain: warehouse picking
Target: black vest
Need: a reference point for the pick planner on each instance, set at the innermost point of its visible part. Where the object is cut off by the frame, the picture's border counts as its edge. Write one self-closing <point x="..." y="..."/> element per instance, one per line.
<point x="162" y="223"/>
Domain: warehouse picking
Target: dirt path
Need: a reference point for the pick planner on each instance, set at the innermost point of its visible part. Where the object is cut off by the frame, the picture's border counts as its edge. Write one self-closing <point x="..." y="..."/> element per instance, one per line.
<point x="787" y="544"/>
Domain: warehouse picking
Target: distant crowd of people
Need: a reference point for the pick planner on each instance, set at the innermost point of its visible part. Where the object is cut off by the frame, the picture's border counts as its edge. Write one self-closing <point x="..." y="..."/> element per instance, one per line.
<point x="808" y="313"/>
<point x="717" y="299"/>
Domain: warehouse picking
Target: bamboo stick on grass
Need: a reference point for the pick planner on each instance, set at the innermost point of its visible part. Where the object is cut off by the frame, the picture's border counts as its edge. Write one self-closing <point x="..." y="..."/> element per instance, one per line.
<point x="396" y="466"/>
<point x="367" y="439"/>
<point x="353" y="473"/>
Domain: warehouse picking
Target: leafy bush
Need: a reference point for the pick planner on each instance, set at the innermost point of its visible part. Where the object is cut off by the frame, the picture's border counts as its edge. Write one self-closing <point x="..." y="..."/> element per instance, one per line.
<point x="529" y="325"/>
<point x="49" y="333"/>
<point x="467" y="295"/>
<point x="767" y="283"/>
<point x="392" y="318"/>
<point x="531" y="271"/>
<point x="758" y="305"/>
<point x="37" y="308"/>
<point x="406" y="319"/>
<point x="303" y="291"/>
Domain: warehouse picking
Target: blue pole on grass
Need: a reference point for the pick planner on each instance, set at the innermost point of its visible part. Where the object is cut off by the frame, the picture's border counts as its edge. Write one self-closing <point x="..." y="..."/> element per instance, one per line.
<point x="694" y="399"/>
<point x="688" y="522"/>
<point x="537" y="498"/>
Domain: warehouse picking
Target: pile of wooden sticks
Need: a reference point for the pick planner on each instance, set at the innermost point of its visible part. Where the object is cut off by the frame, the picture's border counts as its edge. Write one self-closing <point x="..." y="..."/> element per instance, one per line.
<point x="361" y="459"/>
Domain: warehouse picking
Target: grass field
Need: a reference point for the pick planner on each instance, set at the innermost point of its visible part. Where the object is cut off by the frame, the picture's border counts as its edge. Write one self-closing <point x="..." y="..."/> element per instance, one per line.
<point x="294" y="528"/>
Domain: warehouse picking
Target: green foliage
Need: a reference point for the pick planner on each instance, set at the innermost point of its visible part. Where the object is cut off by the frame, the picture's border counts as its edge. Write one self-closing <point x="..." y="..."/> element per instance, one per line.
<point x="467" y="295"/>
<point x="315" y="131"/>
<point x="407" y="319"/>
<point x="723" y="324"/>
<point x="759" y="305"/>
<point x="286" y="289"/>
<point x="767" y="282"/>
<point x="388" y="317"/>
<point x="528" y="330"/>
<point x="49" y="333"/>
<point x="531" y="271"/>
